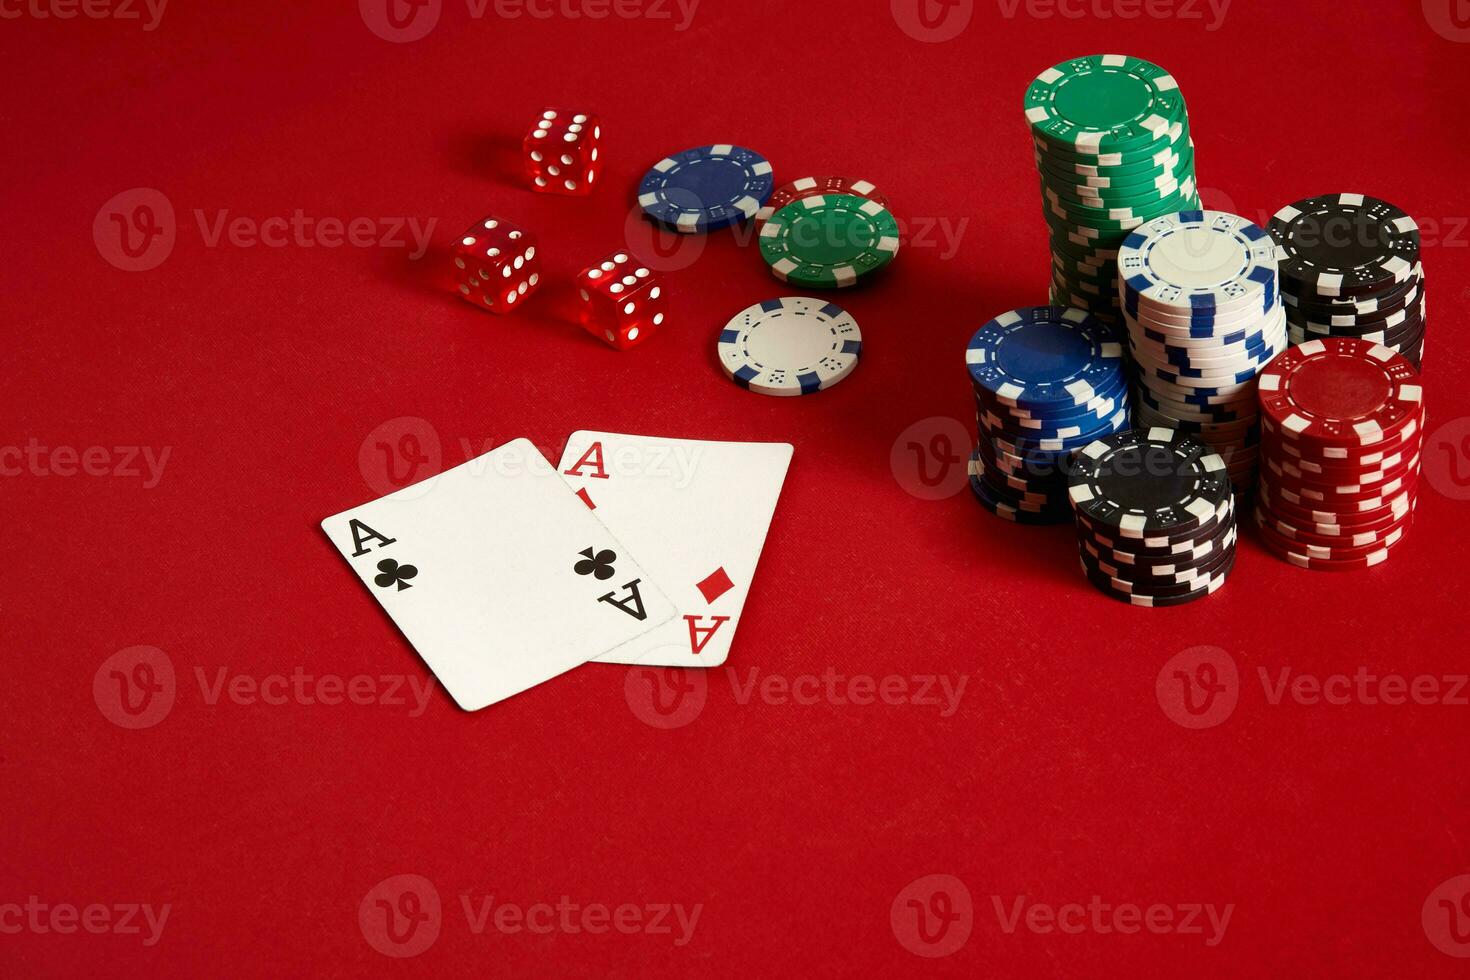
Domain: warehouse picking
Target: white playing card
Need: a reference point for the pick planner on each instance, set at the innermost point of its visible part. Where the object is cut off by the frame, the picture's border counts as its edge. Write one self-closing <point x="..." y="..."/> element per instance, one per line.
<point x="696" y="514"/>
<point x="498" y="574"/>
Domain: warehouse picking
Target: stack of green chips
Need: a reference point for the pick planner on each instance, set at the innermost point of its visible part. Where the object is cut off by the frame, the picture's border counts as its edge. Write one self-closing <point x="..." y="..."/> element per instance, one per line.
<point x="1113" y="150"/>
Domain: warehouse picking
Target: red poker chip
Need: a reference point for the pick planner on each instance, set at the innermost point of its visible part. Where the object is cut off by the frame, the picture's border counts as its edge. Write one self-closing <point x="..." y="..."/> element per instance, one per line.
<point x="1345" y="481"/>
<point x="1341" y="468"/>
<point x="1304" y="513"/>
<point x="1293" y="527"/>
<point x="1344" y="539"/>
<point x="1384" y="483"/>
<point x="1345" y="510"/>
<point x="1339" y="391"/>
<point x="1347" y="540"/>
<point x="811" y="187"/>
<point x="1308" y="449"/>
<point x="1376" y="555"/>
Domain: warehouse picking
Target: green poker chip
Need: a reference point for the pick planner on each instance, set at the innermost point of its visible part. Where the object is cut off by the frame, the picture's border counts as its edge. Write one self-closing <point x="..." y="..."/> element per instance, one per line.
<point x="829" y="241"/>
<point x="1103" y="103"/>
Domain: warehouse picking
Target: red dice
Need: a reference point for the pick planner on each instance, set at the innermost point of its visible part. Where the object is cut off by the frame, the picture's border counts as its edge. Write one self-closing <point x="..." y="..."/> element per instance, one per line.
<point x="496" y="266"/>
<point x="623" y="303"/>
<point x="562" y="151"/>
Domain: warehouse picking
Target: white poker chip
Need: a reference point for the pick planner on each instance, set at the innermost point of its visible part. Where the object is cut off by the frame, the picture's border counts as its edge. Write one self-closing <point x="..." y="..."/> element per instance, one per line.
<point x="790" y="346"/>
<point x="1199" y="263"/>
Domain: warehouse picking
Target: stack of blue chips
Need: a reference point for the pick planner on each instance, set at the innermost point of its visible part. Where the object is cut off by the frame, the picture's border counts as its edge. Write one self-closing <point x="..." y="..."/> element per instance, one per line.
<point x="1048" y="380"/>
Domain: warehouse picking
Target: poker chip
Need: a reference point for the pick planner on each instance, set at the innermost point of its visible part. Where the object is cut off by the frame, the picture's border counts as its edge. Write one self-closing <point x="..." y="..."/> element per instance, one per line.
<point x="1340" y="391"/>
<point x="1345" y="244"/>
<point x="706" y="188"/>
<point x="790" y="346"/>
<point x="829" y="240"/>
<point x="1113" y="152"/>
<point x="1350" y="267"/>
<point x="1044" y="357"/>
<point x="1147" y="481"/>
<point x="1155" y="517"/>
<point x="1203" y="261"/>
<point x="1341" y="439"/>
<point x="1047" y="381"/>
<point x="1102" y="103"/>
<point x="1203" y="317"/>
<point x="813" y="186"/>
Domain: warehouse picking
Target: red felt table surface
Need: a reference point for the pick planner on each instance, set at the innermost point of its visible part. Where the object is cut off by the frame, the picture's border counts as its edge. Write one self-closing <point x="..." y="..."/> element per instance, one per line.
<point x="791" y="814"/>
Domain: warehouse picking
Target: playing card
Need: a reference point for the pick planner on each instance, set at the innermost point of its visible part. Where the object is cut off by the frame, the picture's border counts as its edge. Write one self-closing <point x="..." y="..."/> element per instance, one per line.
<point x="696" y="514"/>
<point x="498" y="574"/>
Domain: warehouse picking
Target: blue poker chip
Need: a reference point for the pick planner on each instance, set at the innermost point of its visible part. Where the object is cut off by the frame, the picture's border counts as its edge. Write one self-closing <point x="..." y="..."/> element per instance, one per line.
<point x="1026" y="445"/>
<point x="1059" y="440"/>
<point x="1044" y="357"/>
<point x="706" y="188"/>
<point x="1015" y="511"/>
<point x="1099" y="404"/>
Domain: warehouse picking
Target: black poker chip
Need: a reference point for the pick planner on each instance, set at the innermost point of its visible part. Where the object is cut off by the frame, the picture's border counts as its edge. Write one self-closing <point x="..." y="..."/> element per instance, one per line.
<point x="1344" y="245"/>
<point x="1148" y="481"/>
<point x="1155" y="517"/>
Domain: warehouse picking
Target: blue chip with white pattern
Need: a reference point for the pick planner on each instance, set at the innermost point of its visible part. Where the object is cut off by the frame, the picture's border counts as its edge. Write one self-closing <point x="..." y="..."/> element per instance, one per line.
<point x="706" y="188"/>
<point x="1042" y="357"/>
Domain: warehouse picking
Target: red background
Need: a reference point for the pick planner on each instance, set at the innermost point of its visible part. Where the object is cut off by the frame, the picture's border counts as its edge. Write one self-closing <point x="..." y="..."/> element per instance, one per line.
<point x="796" y="826"/>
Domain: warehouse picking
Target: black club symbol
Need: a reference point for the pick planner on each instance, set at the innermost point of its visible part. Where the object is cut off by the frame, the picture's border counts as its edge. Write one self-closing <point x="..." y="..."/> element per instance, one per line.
<point x="392" y="573"/>
<point x="597" y="564"/>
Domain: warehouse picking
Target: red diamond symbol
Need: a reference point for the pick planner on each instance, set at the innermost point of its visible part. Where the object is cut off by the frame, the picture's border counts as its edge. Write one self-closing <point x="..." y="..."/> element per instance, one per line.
<point x="716" y="584"/>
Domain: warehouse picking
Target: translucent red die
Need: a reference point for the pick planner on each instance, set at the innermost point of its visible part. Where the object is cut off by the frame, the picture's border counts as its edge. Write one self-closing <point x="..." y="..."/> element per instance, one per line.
<point x="562" y="152"/>
<point x="622" y="302"/>
<point x="496" y="266"/>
